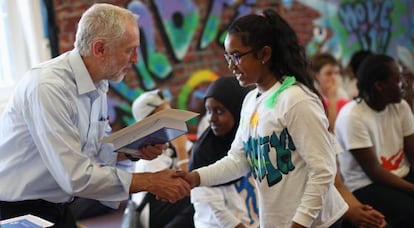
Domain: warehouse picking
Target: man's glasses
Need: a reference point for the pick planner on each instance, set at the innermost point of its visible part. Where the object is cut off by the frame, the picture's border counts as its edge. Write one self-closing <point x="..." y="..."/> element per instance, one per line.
<point x="236" y="57"/>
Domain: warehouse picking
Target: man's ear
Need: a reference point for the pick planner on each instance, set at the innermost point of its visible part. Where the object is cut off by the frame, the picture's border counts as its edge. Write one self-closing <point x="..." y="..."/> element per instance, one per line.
<point x="98" y="48"/>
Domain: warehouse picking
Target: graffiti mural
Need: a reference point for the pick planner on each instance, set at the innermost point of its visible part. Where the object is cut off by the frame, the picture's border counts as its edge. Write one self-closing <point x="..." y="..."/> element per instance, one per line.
<point x="174" y="33"/>
<point x="212" y="31"/>
<point x="343" y="27"/>
<point x="151" y="61"/>
<point x="370" y="23"/>
<point x="177" y="23"/>
<point x="350" y="25"/>
<point x="212" y="25"/>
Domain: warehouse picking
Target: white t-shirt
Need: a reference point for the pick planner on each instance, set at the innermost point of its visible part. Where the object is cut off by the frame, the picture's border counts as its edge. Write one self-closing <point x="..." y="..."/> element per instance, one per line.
<point x="290" y="152"/>
<point x="358" y="126"/>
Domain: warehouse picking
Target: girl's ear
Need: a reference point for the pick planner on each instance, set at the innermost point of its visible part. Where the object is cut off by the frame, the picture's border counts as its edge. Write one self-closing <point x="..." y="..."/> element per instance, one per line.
<point x="264" y="54"/>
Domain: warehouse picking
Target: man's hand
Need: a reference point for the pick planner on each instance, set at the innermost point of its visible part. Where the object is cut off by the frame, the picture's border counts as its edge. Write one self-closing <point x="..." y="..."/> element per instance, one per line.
<point x="162" y="184"/>
<point x="149" y="152"/>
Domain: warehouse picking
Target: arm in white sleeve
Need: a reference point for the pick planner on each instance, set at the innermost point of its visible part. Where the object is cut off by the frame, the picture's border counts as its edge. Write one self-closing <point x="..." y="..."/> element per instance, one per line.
<point x="230" y="167"/>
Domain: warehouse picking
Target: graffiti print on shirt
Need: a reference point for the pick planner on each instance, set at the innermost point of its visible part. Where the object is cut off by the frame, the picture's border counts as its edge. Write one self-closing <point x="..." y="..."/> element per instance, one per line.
<point x="393" y="162"/>
<point x="259" y="149"/>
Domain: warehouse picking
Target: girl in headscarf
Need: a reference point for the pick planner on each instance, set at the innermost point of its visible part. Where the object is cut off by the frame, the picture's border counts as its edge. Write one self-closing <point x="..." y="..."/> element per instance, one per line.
<point x="222" y="205"/>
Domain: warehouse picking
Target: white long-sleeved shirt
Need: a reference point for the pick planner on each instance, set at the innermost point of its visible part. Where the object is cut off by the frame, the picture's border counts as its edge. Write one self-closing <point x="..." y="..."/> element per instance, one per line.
<point x="290" y="153"/>
<point x="220" y="206"/>
<point x="50" y="133"/>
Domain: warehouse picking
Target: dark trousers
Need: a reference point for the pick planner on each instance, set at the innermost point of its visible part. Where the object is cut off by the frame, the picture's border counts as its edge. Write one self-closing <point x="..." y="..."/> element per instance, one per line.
<point x="397" y="206"/>
<point x="57" y="213"/>
<point x="170" y="215"/>
<point x="337" y="224"/>
<point x="83" y="208"/>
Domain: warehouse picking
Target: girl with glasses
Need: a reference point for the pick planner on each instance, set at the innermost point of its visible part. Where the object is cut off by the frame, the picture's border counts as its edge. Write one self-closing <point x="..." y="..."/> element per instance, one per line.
<point x="283" y="136"/>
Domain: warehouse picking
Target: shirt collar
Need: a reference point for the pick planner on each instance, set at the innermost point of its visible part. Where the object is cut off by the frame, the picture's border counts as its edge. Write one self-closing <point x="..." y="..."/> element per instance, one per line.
<point x="83" y="78"/>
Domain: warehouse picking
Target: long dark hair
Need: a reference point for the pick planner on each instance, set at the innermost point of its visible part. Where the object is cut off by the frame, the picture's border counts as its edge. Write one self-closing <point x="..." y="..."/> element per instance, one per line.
<point x="270" y="29"/>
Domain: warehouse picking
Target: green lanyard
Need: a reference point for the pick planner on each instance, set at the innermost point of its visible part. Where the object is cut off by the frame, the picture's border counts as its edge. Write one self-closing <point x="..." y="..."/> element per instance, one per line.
<point x="288" y="81"/>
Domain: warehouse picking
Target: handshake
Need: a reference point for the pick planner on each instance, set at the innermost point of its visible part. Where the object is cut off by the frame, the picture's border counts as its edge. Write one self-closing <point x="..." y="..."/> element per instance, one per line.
<point x="168" y="185"/>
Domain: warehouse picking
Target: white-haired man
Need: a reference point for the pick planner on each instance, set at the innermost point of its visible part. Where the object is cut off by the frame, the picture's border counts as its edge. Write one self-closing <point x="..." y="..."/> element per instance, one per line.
<point x="50" y="132"/>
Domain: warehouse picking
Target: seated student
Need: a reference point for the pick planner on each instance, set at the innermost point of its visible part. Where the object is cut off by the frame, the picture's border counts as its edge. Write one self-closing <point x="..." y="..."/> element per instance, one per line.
<point x="377" y="132"/>
<point x="222" y="205"/>
<point x="326" y="71"/>
<point x="358" y="214"/>
<point x="162" y="214"/>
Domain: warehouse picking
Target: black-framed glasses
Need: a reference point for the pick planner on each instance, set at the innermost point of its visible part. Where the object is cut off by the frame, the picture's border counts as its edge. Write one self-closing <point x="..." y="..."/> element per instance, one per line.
<point x="236" y="57"/>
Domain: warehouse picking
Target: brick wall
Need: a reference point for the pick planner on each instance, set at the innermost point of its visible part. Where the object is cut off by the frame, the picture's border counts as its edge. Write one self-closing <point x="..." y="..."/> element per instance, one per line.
<point x="340" y="40"/>
<point x="68" y="13"/>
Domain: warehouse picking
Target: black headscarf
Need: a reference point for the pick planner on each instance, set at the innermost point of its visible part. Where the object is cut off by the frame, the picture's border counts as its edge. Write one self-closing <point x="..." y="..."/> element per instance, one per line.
<point x="209" y="148"/>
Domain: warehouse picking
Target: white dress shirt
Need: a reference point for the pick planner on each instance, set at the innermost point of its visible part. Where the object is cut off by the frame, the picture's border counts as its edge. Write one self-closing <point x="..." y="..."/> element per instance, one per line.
<point x="50" y="133"/>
